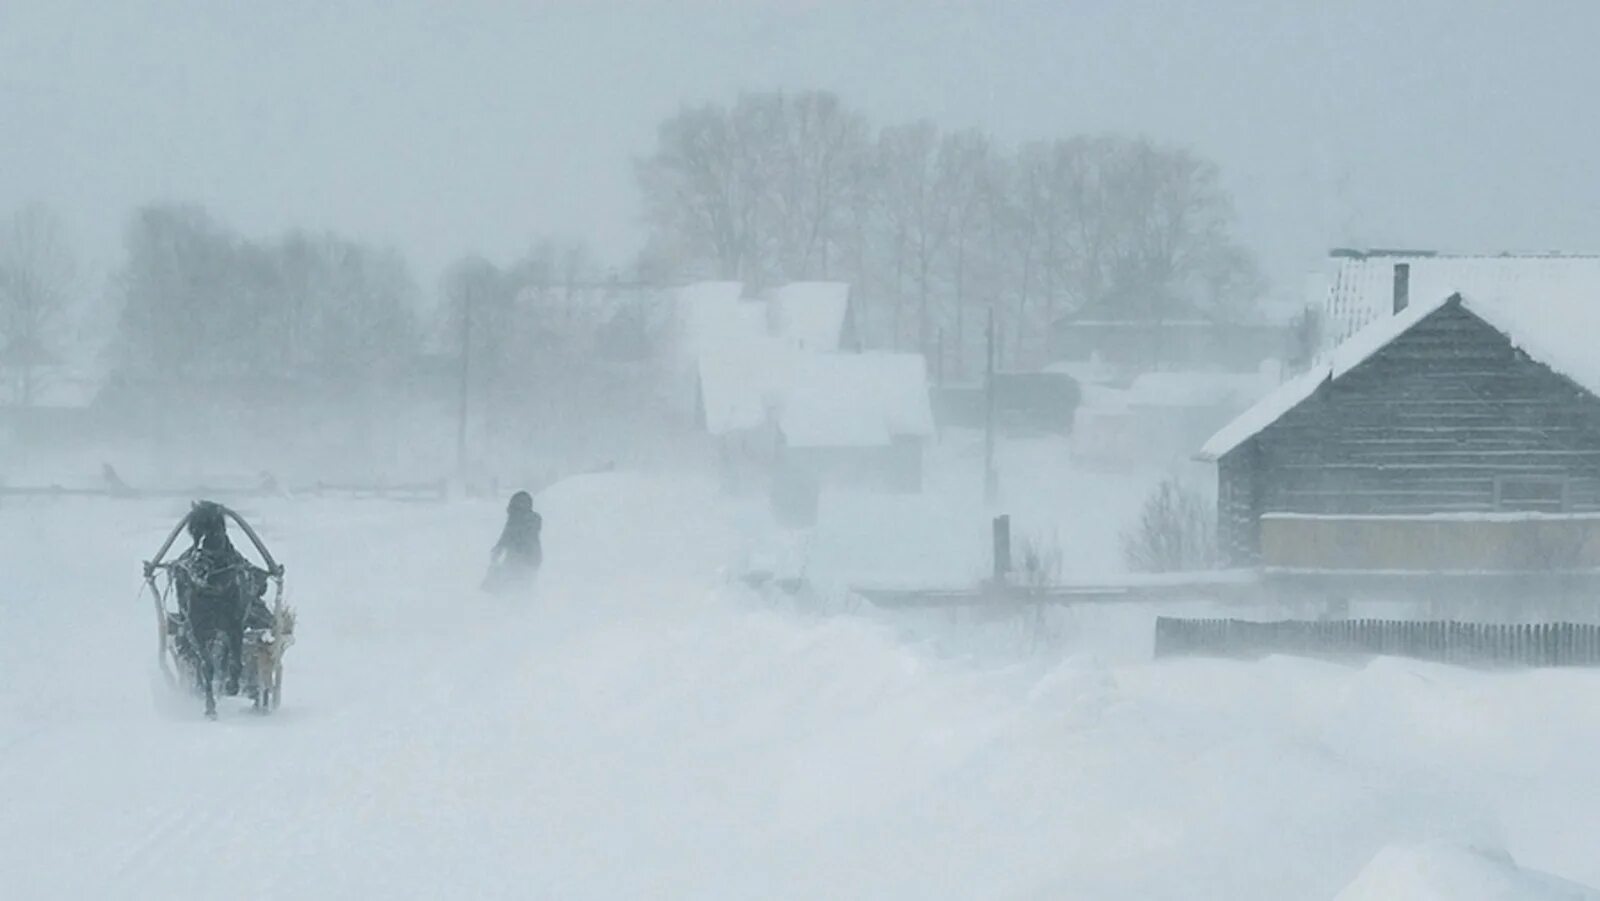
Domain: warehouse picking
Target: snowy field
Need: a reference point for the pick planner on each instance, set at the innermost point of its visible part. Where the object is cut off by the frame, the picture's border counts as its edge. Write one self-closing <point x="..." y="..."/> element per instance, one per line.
<point x="644" y="727"/>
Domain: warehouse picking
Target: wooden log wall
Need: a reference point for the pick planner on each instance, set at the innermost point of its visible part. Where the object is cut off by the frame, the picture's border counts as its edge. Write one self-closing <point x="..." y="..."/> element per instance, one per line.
<point x="1426" y="424"/>
<point x="1474" y="543"/>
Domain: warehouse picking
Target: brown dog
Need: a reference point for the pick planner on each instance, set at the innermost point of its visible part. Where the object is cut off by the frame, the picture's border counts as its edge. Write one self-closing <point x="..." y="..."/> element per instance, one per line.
<point x="263" y="657"/>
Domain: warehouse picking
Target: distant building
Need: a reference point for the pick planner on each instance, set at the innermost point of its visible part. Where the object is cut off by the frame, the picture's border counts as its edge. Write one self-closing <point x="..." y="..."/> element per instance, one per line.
<point x="62" y="407"/>
<point x="1448" y="432"/>
<point x="776" y="383"/>
<point x="1158" y="418"/>
<point x="1130" y="345"/>
<point x="860" y="419"/>
<point x="815" y="316"/>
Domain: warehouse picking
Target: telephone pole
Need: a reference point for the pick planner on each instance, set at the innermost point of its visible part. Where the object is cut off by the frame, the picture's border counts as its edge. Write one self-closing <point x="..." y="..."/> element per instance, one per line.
<point x="466" y="368"/>
<point x="991" y="479"/>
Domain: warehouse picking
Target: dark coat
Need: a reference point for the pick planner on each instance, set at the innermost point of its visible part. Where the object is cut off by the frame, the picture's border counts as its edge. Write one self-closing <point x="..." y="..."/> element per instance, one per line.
<point x="519" y="541"/>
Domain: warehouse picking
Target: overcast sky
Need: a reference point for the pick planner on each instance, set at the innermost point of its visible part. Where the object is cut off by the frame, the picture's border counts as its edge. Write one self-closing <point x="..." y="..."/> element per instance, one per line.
<point x="447" y="127"/>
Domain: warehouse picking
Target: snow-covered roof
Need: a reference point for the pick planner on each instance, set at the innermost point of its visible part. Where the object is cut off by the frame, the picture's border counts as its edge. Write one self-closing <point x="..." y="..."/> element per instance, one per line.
<point x="811" y="315"/>
<point x="1556" y="328"/>
<point x="1361" y="285"/>
<point x="712" y="315"/>
<point x="741" y="382"/>
<point x="856" y="400"/>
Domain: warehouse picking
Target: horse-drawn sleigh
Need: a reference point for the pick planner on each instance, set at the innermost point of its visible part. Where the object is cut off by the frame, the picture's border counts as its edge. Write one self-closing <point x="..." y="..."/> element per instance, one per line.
<point x="217" y="633"/>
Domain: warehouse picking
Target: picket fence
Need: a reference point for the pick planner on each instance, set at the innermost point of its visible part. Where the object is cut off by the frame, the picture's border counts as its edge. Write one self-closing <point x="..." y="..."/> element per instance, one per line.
<point x="1525" y="644"/>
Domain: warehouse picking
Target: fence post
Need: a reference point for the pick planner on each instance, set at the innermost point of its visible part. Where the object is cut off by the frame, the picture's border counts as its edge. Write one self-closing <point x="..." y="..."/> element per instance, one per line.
<point x="1002" y="548"/>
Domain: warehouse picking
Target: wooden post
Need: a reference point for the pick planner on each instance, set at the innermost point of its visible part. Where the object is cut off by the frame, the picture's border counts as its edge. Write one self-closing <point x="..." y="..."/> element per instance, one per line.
<point x="466" y="371"/>
<point x="1002" y="548"/>
<point x="991" y="479"/>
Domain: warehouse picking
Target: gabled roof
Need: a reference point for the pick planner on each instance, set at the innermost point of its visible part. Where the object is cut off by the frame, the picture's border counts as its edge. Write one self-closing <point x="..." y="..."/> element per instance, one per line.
<point x="810" y="315"/>
<point x="740" y="383"/>
<point x="1361" y="285"/>
<point x="856" y="400"/>
<point x="1560" y="329"/>
<point x="713" y="315"/>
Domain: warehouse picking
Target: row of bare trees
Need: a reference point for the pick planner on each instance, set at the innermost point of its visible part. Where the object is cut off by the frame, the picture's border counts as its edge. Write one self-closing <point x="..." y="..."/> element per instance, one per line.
<point x="554" y="351"/>
<point x="934" y="227"/>
<point x="203" y="307"/>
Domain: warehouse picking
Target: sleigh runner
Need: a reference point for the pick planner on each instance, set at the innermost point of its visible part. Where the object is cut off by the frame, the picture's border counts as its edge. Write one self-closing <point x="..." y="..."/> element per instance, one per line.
<point x="194" y="652"/>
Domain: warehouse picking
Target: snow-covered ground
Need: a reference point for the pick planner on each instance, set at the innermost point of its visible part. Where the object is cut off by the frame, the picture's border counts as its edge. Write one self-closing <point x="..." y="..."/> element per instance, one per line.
<point x="645" y="727"/>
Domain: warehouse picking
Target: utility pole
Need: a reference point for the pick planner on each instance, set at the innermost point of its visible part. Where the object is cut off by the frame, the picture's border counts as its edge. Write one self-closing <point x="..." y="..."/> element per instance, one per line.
<point x="991" y="479"/>
<point x="466" y="367"/>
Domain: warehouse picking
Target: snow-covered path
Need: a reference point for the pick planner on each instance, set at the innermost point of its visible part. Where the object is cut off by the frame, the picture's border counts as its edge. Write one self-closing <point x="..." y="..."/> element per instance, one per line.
<point x="644" y="730"/>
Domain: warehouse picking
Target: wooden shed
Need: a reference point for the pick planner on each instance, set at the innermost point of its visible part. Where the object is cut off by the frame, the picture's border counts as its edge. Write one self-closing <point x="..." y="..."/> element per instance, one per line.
<point x="1455" y="434"/>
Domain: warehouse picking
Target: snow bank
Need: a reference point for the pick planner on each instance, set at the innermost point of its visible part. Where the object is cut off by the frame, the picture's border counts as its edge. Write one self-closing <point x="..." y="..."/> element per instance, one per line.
<point x="1439" y="871"/>
<point x="643" y="728"/>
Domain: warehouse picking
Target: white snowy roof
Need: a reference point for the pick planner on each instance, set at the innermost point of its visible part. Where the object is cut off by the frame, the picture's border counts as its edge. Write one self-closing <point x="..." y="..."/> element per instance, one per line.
<point x="736" y="386"/>
<point x="811" y="315"/>
<point x="712" y="315"/>
<point x="1361" y="286"/>
<point x="1556" y="328"/>
<point x="856" y="400"/>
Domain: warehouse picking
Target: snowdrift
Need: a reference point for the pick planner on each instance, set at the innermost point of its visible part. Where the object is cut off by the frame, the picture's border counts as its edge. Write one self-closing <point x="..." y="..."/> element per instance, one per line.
<point x="644" y="726"/>
<point x="1439" y="871"/>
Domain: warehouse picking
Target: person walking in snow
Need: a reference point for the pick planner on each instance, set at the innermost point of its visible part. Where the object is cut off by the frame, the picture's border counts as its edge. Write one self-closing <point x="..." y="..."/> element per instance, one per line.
<point x="516" y="557"/>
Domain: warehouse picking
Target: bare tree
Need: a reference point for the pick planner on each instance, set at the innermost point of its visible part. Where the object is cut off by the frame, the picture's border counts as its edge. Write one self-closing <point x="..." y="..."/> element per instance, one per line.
<point x="1177" y="530"/>
<point x="202" y="304"/>
<point x="36" y="275"/>
<point x="918" y="215"/>
<point x="757" y="191"/>
<point x="698" y="191"/>
<point x="969" y="184"/>
<point x="1171" y="251"/>
<point x="926" y="225"/>
<point x="821" y="145"/>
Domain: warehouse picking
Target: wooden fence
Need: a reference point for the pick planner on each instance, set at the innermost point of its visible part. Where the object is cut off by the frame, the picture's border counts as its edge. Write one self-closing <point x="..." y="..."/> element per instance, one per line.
<point x="1526" y="644"/>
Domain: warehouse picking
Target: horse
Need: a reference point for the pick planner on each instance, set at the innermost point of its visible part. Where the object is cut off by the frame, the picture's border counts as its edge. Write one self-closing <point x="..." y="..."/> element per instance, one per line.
<point x="218" y="589"/>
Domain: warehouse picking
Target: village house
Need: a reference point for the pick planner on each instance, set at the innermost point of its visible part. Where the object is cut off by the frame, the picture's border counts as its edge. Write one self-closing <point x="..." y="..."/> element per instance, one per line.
<point x="1455" y="428"/>
<point x="1130" y="346"/>
<point x="64" y="405"/>
<point x="779" y="387"/>
<point x="859" y="419"/>
<point x="1158" y="418"/>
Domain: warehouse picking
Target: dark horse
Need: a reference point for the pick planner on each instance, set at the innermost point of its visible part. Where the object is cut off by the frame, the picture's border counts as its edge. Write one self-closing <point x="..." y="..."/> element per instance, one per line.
<point x="219" y="594"/>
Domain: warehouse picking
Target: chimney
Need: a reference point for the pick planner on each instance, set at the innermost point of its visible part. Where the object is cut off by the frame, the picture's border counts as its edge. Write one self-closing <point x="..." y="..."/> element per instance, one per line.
<point x="1402" y="286"/>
